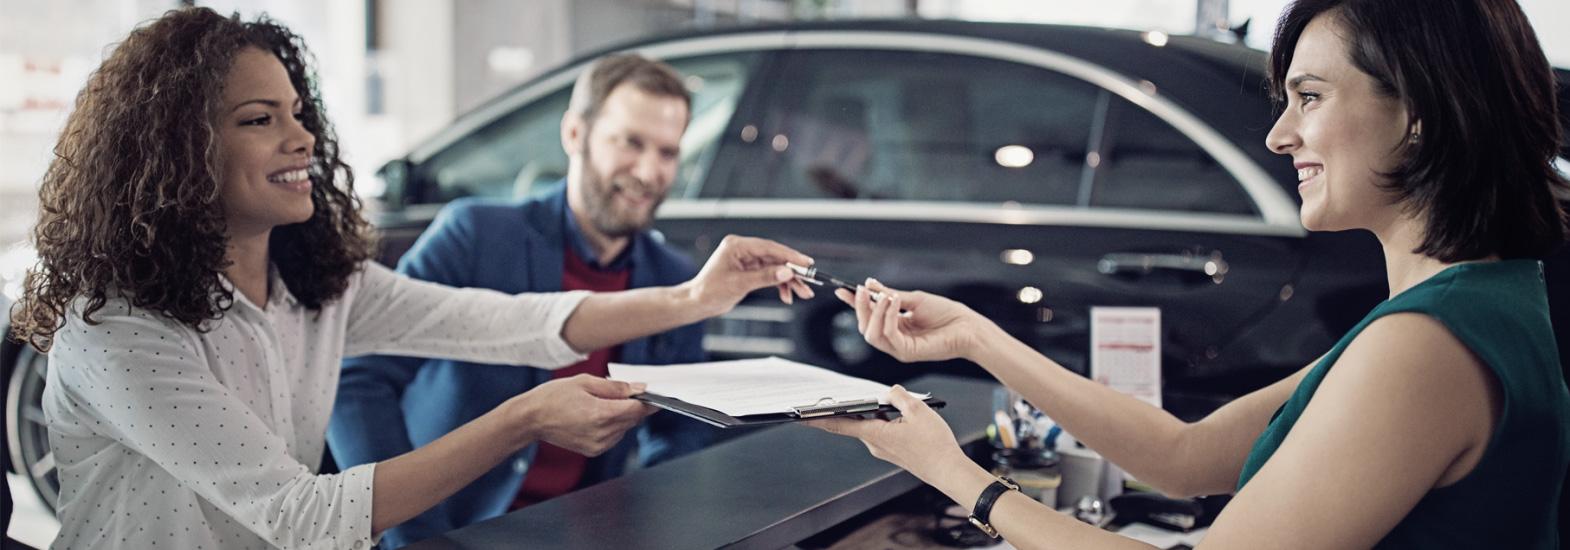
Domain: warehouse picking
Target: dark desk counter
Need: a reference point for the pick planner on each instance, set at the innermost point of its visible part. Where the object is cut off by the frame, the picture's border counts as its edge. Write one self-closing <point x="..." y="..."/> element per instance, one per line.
<point x="768" y="489"/>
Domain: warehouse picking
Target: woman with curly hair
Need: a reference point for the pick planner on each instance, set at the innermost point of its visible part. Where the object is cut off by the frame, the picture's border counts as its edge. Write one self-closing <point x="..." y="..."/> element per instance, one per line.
<point x="204" y="269"/>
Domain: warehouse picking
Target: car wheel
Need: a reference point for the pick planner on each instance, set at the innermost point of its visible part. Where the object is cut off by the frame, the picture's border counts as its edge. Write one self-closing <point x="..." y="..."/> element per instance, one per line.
<point x="27" y="435"/>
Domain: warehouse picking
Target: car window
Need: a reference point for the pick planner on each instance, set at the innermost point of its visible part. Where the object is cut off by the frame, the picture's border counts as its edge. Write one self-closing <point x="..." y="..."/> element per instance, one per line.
<point x="1148" y="164"/>
<point x="505" y="158"/>
<point x="918" y="126"/>
<point x="520" y="153"/>
<point x="716" y="82"/>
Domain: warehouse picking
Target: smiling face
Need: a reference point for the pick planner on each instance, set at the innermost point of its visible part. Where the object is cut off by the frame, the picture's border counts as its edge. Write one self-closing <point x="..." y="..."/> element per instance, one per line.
<point x="1341" y="132"/>
<point x="266" y="153"/>
<point x="626" y="161"/>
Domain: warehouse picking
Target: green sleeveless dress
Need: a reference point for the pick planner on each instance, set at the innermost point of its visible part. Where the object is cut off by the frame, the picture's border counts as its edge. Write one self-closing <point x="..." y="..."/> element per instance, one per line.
<point x="1499" y="310"/>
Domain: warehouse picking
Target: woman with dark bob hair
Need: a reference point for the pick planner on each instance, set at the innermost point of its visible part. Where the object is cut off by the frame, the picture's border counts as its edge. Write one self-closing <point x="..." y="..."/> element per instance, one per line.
<point x="203" y="271"/>
<point x="1441" y="420"/>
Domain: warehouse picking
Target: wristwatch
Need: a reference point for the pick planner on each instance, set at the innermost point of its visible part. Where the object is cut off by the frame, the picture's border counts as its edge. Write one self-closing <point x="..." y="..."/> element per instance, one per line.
<point x="989" y="496"/>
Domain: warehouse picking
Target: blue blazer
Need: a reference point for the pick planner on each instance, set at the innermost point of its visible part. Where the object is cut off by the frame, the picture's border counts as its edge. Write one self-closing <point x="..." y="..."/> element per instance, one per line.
<point x="388" y="406"/>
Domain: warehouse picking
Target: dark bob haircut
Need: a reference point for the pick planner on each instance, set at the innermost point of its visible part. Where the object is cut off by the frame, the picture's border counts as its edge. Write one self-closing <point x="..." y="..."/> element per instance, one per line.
<point x="130" y="205"/>
<point x="1472" y="72"/>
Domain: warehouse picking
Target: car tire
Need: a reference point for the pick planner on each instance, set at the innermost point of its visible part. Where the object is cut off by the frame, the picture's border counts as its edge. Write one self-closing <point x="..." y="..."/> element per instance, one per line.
<point x="26" y="432"/>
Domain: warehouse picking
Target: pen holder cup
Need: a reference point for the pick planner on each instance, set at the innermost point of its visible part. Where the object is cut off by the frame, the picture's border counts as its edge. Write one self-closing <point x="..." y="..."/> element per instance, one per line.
<point x="1086" y="473"/>
<point x="1035" y="470"/>
<point x="1017" y="423"/>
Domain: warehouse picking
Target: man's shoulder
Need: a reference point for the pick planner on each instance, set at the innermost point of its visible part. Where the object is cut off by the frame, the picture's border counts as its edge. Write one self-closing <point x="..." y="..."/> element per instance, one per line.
<point x="470" y="230"/>
<point x="505" y="215"/>
<point x="483" y="208"/>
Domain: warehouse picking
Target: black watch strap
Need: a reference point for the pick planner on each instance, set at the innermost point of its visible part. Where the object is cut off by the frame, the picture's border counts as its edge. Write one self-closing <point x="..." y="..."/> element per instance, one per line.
<point x="981" y="517"/>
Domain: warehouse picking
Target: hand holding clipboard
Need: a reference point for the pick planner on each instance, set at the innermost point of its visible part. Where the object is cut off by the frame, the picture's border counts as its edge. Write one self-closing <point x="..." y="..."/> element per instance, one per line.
<point x="756" y="391"/>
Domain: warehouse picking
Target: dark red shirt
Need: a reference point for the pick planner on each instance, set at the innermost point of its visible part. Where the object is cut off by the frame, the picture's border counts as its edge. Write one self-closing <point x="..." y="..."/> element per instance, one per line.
<point x="557" y="471"/>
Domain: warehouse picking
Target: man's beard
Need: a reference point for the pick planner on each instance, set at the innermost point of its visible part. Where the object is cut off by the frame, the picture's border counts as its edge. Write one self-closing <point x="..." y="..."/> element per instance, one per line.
<point x="599" y="196"/>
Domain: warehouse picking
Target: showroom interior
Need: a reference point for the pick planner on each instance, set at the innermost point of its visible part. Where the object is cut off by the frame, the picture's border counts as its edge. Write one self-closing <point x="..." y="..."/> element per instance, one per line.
<point x="801" y="274"/>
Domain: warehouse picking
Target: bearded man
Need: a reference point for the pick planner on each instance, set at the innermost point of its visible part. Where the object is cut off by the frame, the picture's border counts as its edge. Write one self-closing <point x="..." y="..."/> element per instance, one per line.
<point x="622" y="134"/>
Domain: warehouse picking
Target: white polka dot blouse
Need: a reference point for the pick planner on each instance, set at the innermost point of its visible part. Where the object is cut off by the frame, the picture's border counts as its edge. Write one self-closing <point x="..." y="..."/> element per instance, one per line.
<point x="168" y="437"/>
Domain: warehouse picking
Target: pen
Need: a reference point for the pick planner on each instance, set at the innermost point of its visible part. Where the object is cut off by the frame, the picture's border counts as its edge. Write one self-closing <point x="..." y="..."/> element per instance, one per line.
<point x="1005" y="429"/>
<point x="811" y="274"/>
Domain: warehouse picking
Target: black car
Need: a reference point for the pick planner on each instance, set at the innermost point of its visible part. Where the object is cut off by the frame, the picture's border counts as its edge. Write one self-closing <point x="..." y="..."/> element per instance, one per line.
<point x="1030" y="171"/>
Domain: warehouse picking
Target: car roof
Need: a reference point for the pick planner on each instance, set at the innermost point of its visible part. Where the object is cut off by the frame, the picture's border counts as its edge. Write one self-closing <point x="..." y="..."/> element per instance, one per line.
<point x="1067" y="38"/>
<point x="1109" y="47"/>
<point x="1220" y="83"/>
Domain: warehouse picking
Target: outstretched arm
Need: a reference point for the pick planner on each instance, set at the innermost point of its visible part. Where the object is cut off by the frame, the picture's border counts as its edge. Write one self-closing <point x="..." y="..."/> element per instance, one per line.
<point x="396" y="315"/>
<point x="921" y="442"/>
<point x="1179" y="458"/>
<point x="739" y="266"/>
<point x="1407" y="409"/>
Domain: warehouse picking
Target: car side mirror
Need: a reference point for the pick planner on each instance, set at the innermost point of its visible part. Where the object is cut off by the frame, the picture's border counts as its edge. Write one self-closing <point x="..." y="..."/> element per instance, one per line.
<point x="395" y="181"/>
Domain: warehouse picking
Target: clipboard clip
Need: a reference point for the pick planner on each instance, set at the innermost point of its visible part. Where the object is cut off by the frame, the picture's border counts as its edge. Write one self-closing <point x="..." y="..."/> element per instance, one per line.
<point x="829" y="407"/>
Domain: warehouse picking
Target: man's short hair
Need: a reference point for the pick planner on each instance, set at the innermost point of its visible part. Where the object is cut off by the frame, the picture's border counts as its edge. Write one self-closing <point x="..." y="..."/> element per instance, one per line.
<point x="1472" y="73"/>
<point x="608" y="73"/>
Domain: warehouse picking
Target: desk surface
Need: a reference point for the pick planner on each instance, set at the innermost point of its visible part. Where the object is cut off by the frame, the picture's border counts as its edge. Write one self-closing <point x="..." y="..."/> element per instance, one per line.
<point x="768" y="489"/>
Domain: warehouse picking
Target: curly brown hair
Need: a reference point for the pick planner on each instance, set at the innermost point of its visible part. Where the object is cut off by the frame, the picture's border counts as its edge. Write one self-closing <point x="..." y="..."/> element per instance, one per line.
<point x="130" y="205"/>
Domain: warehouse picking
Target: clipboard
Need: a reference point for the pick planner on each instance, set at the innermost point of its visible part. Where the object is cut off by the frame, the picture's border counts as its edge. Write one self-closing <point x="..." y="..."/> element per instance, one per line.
<point x="825" y="408"/>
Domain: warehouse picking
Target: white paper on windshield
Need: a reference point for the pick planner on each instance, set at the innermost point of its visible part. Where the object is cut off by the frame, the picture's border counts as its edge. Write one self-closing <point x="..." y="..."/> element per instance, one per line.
<point x="752" y="386"/>
<point x="1125" y="350"/>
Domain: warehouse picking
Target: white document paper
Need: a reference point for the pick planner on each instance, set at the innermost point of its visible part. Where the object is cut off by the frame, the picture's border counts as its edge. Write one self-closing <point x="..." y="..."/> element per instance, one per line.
<point x="752" y="386"/>
<point x="1125" y="350"/>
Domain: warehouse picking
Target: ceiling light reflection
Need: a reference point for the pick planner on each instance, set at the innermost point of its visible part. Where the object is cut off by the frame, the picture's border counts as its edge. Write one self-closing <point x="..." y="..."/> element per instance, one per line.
<point x="1018" y="256"/>
<point x="1014" y="156"/>
<point x="1029" y="295"/>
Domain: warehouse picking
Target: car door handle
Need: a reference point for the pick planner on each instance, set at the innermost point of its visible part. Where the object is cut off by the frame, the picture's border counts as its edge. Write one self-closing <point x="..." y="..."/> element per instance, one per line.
<point x="1118" y="263"/>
